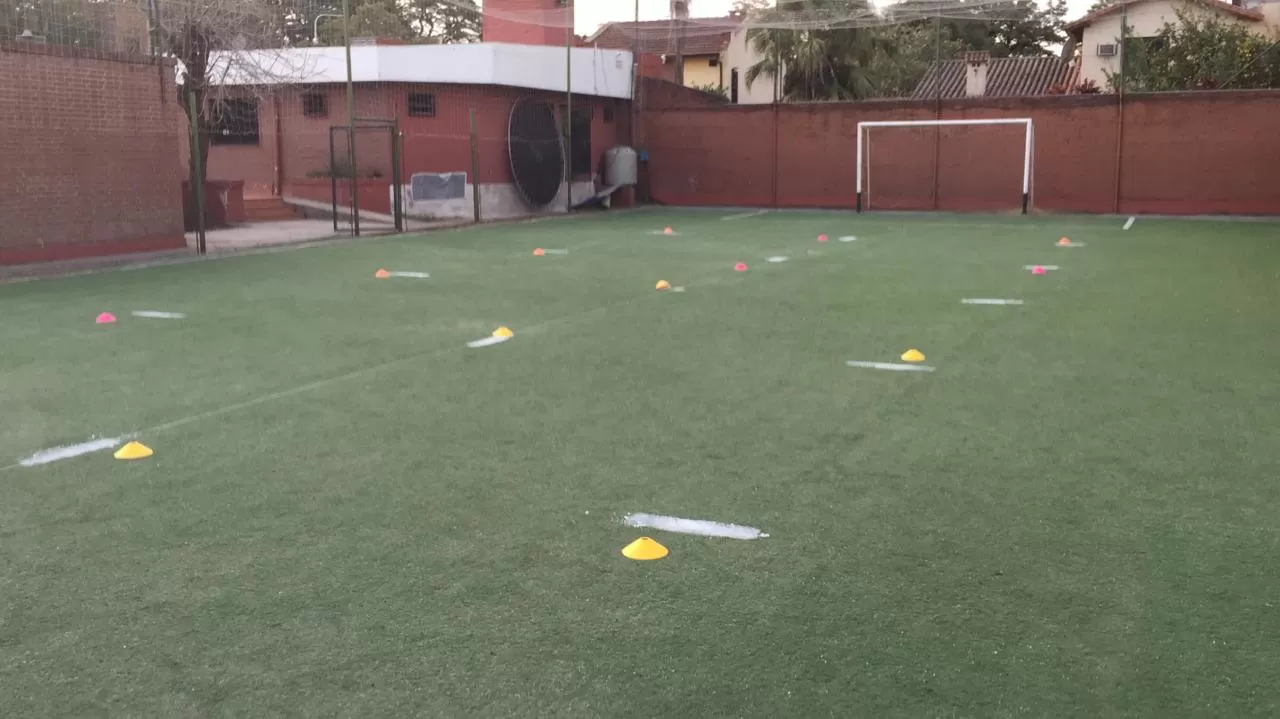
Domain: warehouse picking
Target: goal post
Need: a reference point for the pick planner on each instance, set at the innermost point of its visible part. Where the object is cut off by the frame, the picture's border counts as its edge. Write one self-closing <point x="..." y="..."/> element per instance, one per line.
<point x="864" y="138"/>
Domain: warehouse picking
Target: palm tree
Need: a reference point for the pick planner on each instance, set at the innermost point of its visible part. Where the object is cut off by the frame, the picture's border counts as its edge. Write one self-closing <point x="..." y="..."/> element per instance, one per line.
<point x="829" y="54"/>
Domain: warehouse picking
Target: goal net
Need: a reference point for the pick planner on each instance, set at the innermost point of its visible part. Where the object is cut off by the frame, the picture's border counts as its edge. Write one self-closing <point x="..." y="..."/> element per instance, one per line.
<point x="981" y="164"/>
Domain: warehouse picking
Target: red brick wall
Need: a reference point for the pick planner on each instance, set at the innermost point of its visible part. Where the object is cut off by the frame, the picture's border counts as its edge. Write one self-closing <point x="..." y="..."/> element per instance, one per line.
<point x="430" y="144"/>
<point x="87" y="161"/>
<point x="1183" y="153"/>
<point x="527" y="22"/>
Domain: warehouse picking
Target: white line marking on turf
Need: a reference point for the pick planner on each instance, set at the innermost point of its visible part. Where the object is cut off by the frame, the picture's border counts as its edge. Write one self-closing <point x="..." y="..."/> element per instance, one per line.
<point x="744" y="215"/>
<point x="891" y="366"/>
<point x="1129" y="224"/>
<point x="488" y="342"/>
<point x="849" y="238"/>
<point x="1073" y="244"/>
<point x="677" y="289"/>
<point x="54" y="454"/>
<point x="1047" y="268"/>
<point x="984" y="301"/>
<point x="414" y="275"/>
<point x="156" y="315"/>
<point x="778" y="258"/>
<point x="556" y="252"/>
<point x="700" y="527"/>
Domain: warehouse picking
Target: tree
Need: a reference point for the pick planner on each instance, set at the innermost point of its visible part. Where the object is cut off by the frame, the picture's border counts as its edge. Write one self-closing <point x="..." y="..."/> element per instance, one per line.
<point x="75" y="23"/>
<point x="816" y="64"/>
<point x="444" y="21"/>
<point x="906" y="52"/>
<point x="1008" y="29"/>
<point x="370" y="18"/>
<point x="1198" y="52"/>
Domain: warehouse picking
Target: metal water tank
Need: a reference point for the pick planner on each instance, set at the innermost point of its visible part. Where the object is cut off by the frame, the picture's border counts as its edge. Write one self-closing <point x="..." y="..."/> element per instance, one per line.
<point x="620" y="167"/>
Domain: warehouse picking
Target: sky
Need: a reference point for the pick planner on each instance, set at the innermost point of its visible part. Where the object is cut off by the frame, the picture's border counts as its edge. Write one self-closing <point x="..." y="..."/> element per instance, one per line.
<point x="591" y="14"/>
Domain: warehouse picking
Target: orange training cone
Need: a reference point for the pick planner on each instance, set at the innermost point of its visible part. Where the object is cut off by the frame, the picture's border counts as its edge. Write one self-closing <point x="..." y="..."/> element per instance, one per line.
<point x="662" y="285"/>
<point x="668" y="231"/>
<point x="539" y="252"/>
<point x="1064" y="242"/>
<point x="382" y="274"/>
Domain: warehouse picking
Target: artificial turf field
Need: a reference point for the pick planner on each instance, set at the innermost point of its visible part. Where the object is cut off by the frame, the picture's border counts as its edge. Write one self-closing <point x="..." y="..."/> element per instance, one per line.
<point x="350" y="513"/>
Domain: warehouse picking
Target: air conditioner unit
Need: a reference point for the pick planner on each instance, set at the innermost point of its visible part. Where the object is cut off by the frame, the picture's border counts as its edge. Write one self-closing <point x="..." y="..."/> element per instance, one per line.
<point x="1107" y="50"/>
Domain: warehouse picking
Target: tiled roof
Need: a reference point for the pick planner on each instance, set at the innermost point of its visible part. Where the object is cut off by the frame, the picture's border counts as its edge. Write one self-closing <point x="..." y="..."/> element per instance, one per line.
<point x="702" y="36"/>
<point x="1116" y="6"/>
<point x="1006" y="77"/>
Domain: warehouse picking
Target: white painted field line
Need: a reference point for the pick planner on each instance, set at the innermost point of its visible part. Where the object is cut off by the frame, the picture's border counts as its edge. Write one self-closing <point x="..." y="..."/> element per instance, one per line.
<point x="487" y="342"/>
<point x="1129" y="224"/>
<point x="987" y="301"/>
<point x="157" y="315"/>
<point x="556" y="252"/>
<point x="892" y="366"/>
<point x="1073" y="244"/>
<point x="700" y="527"/>
<point x="778" y="258"/>
<point x="54" y="454"/>
<point x="413" y="275"/>
<point x="1047" y="268"/>
<point x="849" y="238"/>
<point x="745" y="215"/>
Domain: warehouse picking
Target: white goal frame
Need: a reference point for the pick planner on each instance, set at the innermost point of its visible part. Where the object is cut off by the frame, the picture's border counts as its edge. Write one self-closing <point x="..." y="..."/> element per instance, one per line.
<point x="863" y="128"/>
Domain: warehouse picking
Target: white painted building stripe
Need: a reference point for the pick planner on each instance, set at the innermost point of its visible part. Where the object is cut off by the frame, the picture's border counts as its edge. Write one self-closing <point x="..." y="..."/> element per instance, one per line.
<point x="1048" y="268"/>
<point x="892" y="366"/>
<point x="744" y="215"/>
<point x="985" y="301"/>
<point x="487" y="342"/>
<point x="700" y="527"/>
<point x="54" y="454"/>
<point x="1130" y="222"/>
<point x="157" y="315"/>
<point x="414" y="275"/>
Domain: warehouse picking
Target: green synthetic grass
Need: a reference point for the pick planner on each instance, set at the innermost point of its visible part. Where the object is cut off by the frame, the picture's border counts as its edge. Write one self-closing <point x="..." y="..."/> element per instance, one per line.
<point x="349" y="513"/>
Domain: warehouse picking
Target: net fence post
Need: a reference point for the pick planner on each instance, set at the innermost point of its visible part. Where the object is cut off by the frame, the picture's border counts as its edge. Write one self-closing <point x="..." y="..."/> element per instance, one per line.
<point x="197" y="166"/>
<point x="475" y="168"/>
<point x="858" y="171"/>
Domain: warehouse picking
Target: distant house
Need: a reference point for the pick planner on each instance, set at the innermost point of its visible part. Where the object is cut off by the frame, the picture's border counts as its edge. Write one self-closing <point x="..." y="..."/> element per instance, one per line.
<point x="715" y="51"/>
<point x="1098" y="34"/>
<point x="980" y="75"/>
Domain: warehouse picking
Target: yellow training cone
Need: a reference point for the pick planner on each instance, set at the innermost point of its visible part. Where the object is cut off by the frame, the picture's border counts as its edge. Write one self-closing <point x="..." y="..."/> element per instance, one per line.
<point x="662" y="285"/>
<point x="503" y="332"/>
<point x="382" y="274"/>
<point x="134" y="450"/>
<point x="913" y="356"/>
<point x="644" y="548"/>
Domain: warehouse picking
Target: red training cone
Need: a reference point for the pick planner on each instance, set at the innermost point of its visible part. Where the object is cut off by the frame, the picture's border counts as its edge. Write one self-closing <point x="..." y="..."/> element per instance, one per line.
<point x="740" y="267"/>
<point x="822" y="238"/>
<point x="1037" y="270"/>
<point x="106" y="318"/>
<point x="668" y="231"/>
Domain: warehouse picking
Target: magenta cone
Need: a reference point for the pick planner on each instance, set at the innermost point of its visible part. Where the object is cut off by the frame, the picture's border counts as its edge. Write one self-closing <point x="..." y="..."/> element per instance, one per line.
<point x="105" y="318"/>
<point x="740" y="267"/>
<point x="822" y="238"/>
<point x="1037" y="270"/>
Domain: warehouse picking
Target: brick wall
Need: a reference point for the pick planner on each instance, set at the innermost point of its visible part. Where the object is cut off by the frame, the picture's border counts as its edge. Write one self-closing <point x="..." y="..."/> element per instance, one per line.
<point x="527" y="22"/>
<point x="87" y="161"/>
<point x="300" y="146"/>
<point x="1182" y="153"/>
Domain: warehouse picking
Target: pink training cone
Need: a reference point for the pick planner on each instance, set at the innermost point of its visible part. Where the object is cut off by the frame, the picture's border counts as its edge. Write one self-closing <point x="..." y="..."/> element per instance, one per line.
<point x="822" y="238"/>
<point x="740" y="267"/>
<point x="668" y="231"/>
<point x="1037" y="270"/>
<point x="106" y="318"/>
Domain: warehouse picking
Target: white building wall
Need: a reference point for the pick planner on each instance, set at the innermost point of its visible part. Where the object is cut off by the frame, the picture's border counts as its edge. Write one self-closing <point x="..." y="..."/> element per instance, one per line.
<point x="1145" y="19"/>
<point x="739" y="54"/>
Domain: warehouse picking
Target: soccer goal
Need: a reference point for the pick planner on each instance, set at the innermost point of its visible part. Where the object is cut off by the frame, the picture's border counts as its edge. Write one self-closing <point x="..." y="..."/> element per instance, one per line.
<point x="864" y="147"/>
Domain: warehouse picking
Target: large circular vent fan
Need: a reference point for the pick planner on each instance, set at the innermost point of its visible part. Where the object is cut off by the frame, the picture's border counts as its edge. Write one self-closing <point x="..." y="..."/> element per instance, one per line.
<point x="537" y="157"/>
